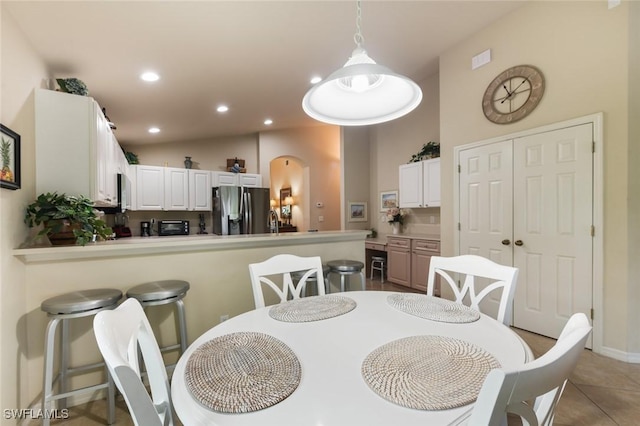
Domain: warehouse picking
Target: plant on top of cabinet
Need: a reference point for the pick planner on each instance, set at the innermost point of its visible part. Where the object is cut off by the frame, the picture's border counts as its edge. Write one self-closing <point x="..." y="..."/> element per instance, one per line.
<point x="429" y="150"/>
<point x="73" y="214"/>
<point x="131" y="157"/>
<point x="73" y="86"/>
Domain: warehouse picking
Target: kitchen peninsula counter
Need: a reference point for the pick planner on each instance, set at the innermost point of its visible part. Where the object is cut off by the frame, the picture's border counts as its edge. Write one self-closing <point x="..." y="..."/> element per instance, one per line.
<point x="216" y="267"/>
<point x="180" y="244"/>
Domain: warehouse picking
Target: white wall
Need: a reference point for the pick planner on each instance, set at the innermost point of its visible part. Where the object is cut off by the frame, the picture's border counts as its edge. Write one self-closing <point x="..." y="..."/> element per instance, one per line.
<point x="582" y="48"/>
<point x="21" y="71"/>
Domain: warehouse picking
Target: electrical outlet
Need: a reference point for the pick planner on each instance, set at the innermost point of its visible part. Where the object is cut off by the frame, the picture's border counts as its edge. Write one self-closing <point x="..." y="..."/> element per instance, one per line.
<point x="224" y="317"/>
<point x="320" y="218"/>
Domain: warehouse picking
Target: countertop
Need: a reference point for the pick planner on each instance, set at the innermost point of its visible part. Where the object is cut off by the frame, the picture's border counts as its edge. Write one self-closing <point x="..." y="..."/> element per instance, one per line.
<point x="430" y="237"/>
<point x="197" y="242"/>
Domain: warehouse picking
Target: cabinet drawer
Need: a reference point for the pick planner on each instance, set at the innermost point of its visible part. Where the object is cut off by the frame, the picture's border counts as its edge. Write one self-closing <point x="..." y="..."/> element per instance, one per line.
<point x="374" y="246"/>
<point x="427" y="245"/>
<point x="398" y="242"/>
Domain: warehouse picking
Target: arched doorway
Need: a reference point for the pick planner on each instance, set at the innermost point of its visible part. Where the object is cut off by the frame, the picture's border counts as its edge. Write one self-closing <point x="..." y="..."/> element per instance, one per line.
<point x="291" y="172"/>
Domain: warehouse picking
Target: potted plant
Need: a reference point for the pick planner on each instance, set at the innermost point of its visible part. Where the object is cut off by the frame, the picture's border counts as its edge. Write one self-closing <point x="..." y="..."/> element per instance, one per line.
<point x="66" y="219"/>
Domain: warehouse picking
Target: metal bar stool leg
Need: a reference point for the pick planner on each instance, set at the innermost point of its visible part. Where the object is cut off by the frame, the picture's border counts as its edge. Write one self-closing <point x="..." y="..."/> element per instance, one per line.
<point x="363" y="281"/>
<point x="342" y="282"/>
<point x="183" y="326"/>
<point x="64" y="362"/>
<point x="49" y="348"/>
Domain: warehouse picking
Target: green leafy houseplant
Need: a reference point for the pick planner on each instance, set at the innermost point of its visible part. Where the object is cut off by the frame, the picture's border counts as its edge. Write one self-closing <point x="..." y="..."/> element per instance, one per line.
<point x="429" y="150"/>
<point x="59" y="211"/>
<point x="73" y="86"/>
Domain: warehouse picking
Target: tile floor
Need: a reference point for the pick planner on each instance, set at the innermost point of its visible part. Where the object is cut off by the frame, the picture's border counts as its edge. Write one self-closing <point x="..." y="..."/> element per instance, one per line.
<point x="600" y="392"/>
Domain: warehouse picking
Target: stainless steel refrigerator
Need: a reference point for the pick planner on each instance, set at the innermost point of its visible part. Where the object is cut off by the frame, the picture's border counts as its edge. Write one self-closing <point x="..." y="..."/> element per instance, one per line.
<point x="240" y="210"/>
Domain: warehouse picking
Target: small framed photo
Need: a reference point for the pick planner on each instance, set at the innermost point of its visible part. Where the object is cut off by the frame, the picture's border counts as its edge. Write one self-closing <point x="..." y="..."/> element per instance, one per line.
<point x="357" y="211"/>
<point x="10" y="158"/>
<point x="388" y="200"/>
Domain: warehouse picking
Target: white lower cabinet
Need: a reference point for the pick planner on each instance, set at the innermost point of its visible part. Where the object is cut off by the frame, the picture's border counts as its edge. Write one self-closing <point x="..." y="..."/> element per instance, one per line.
<point x="170" y="188"/>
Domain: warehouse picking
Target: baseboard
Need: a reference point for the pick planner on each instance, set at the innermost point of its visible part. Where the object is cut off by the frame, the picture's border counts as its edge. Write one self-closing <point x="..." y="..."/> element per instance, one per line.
<point x="631" y="357"/>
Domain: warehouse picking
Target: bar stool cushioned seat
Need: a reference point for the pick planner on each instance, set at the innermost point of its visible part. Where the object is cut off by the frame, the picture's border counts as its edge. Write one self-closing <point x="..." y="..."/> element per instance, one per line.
<point x="63" y="308"/>
<point x="161" y="293"/>
<point x="345" y="268"/>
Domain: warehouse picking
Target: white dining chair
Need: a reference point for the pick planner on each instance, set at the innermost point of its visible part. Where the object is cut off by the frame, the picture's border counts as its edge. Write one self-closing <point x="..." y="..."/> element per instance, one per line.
<point x="282" y="266"/>
<point x="473" y="267"/>
<point x="533" y="390"/>
<point x="119" y="333"/>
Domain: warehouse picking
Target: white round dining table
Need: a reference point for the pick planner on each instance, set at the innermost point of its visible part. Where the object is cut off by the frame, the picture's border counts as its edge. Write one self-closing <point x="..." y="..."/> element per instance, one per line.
<point x="332" y="391"/>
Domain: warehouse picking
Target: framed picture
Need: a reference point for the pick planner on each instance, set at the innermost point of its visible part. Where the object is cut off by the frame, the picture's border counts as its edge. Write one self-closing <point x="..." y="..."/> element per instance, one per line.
<point x="10" y="158"/>
<point x="357" y="211"/>
<point x="388" y="200"/>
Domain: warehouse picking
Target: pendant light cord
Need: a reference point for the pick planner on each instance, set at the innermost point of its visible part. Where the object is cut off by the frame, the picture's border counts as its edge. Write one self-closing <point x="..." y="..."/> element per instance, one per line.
<point x="358" y="37"/>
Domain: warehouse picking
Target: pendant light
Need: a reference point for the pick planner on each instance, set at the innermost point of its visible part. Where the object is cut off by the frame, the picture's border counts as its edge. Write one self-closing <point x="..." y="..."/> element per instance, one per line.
<point x="361" y="92"/>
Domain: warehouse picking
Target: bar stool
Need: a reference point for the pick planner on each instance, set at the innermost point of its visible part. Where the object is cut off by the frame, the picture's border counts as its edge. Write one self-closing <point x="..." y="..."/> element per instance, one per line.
<point x="297" y="275"/>
<point x="377" y="264"/>
<point x="345" y="268"/>
<point x="61" y="309"/>
<point x="157" y="293"/>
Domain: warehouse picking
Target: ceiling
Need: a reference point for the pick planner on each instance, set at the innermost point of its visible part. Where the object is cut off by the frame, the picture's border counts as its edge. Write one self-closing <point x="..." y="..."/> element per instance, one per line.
<point x="257" y="57"/>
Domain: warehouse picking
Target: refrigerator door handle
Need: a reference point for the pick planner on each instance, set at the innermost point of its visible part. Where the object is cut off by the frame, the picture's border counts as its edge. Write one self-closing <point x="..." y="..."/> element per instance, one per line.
<point x="249" y="214"/>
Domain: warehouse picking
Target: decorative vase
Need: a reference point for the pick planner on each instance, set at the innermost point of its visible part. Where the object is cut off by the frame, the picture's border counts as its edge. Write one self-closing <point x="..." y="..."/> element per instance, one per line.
<point x="395" y="227"/>
<point x="188" y="163"/>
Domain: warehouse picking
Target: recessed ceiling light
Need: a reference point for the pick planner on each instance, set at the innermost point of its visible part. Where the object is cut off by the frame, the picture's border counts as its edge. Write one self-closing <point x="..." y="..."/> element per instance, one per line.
<point x="316" y="79"/>
<point x="150" y="76"/>
<point x="222" y="108"/>
<point x="268" y="121"/>
<point x="154" y="130"/>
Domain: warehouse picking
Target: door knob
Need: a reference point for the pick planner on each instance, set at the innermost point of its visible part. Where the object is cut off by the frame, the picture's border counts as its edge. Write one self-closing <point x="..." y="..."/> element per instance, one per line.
<point x="518" y="242"/>
<point x="506" y="242"/>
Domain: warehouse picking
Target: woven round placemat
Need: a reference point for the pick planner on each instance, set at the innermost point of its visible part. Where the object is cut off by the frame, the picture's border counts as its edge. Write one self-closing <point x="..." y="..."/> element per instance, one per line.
<point x="242" y="372"/>
<point x="433" y="308"/>
<point x="428" y="372"/>
<point x="314" y="308"/>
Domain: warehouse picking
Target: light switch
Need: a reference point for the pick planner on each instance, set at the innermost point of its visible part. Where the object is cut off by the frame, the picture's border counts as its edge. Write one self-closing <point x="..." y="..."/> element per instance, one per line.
<point x="481" y="59"/>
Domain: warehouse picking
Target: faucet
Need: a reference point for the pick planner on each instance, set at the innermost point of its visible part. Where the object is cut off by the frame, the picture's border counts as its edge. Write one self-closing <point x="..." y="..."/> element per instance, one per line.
<point x="272" y="219"/>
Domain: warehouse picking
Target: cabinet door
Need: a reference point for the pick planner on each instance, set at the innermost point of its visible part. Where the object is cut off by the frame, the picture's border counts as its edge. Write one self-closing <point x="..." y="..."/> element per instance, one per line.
<point x="421" y="252"/>
<point x="149" y="188"/>
<point x="431" y="183"/>
<point x="410" y="179"/>
<point x="224" y="179"/>
<point x="176" y="189"/>
<point x="250" y="180"/>
<point x="399" y="259"/>
<point x="200" y="194"/>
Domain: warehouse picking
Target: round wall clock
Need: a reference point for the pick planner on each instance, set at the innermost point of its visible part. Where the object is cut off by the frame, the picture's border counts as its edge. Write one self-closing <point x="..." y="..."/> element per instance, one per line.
<point x="513" y="94"/>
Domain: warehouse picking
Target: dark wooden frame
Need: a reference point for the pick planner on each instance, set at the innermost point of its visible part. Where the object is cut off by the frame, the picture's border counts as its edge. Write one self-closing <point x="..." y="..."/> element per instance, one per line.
<point x="5" y="132"/>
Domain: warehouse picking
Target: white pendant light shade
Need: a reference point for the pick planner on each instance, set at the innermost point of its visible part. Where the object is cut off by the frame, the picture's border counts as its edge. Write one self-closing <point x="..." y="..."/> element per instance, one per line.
<point x="388" y="98"/>
<point x="361" y="92"/>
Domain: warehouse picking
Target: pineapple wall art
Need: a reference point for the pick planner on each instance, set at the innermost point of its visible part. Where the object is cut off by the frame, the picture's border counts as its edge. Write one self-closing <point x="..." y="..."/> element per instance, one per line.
<point x="9" y="158"/>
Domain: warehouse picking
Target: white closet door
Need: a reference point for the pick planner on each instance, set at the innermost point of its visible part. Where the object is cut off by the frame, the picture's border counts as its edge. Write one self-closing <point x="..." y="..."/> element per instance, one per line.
<point x="552" y="220"/>
<point x="486" y="207"/>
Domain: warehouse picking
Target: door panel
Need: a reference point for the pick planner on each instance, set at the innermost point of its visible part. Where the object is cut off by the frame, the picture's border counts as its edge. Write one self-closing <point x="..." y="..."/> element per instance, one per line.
<point x="535" y="194"/>
<point x="485" y="207"/>
<point x="554" y="172"/>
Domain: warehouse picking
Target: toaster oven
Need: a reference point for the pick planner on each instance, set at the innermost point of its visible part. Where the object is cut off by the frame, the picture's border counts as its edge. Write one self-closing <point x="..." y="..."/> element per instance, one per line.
<point x="173" y="227"/>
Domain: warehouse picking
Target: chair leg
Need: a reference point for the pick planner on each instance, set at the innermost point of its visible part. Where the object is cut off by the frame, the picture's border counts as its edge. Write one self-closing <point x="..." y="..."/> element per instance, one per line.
<point x="111" y="398"/>
<point x="49" y="348"/>
<point x="363" y="280"/>
<point x="342" y="280"/>
<point x="183" y="326"/>
<point x="64" y="362"/>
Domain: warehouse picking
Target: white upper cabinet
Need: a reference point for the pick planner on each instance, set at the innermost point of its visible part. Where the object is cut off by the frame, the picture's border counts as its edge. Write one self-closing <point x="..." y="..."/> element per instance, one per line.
<point x="236" y="179"/>
<point x="74" y="147"/>
<point x="149" y="188"/>
<point x="200" y="194"/>
<point x="170" y="188"/>
<point x="420" y="184"/>
<point x="176" y="189"/>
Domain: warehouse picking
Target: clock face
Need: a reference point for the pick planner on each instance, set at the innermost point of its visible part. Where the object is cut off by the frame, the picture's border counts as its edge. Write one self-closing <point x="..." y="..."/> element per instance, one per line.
<point x="513" y="94"/>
